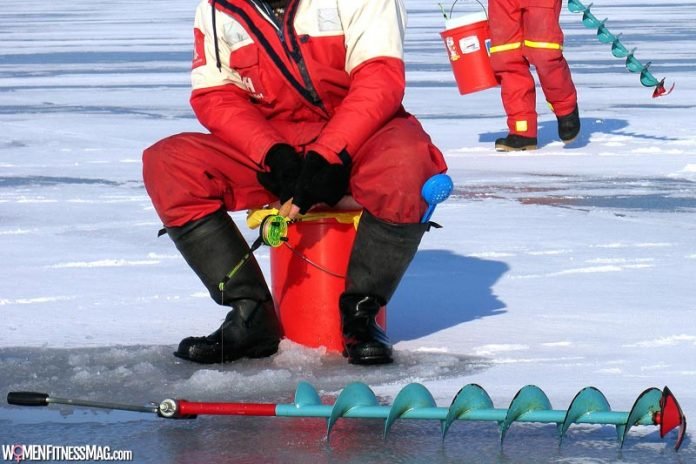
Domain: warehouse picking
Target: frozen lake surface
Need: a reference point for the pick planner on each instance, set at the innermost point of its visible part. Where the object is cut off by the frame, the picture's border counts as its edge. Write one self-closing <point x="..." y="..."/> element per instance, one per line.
<point x="564" y="267"/>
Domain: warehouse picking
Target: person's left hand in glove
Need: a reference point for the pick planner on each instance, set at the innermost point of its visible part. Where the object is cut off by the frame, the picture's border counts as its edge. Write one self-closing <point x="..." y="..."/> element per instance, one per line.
<point x="319" y="182"/>
<point x="284" y="165"/>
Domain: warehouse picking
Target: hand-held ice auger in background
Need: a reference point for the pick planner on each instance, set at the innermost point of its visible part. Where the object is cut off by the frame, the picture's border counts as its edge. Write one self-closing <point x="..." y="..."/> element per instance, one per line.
<point x="472" y="403"/>
<point x="618" y="49"/>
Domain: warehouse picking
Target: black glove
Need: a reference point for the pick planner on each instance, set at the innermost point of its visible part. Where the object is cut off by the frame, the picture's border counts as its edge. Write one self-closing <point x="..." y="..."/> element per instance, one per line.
<point x="284" y="167"/>
<point x="321" y="181"/>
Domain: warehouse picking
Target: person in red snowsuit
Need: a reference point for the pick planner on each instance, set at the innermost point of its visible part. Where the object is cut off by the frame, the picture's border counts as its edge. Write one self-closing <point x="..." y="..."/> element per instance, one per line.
<point x="524" y="33"/>
<point x="302" y="99"/>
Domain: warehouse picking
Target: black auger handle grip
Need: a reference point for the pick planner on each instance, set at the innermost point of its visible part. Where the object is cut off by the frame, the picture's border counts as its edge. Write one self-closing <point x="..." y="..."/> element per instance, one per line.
<point x="27" y="398"/>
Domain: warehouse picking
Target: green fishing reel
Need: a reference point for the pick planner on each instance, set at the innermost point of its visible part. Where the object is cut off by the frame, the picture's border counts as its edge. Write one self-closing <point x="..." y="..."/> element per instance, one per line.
<point x="274" y="230"/>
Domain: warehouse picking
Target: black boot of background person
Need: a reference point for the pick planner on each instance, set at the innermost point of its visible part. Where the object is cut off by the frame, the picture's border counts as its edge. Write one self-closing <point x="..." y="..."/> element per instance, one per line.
<point x="514" y="142"/>
<point x="212" y="246"/>
<point x="380" y="256"/>
<point x="569" y="126"/>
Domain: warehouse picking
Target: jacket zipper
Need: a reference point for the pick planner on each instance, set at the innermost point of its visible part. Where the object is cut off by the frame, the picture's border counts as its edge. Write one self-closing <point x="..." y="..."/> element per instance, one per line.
<point x="295" y="54"/>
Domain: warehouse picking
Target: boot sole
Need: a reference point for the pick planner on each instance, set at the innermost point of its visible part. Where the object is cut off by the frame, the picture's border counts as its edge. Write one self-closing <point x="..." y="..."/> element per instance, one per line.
<point x="262" y="351"/>
<point x="370" y="360"/>
<point x="571" y="140"/>
<point x="505" y="148"/>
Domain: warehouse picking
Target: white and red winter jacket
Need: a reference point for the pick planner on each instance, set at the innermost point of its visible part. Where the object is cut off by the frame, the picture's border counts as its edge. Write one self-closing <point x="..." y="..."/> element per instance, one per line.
<point x="325" y="77"/>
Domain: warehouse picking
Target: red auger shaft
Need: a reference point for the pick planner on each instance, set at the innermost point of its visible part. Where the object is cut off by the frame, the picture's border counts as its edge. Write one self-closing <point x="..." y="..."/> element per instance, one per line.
<point x="191" y="408"/>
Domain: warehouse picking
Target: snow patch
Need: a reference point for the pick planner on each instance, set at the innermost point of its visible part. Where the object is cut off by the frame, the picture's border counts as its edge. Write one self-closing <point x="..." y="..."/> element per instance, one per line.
<point x="634" y="245"/>
<point x="549" y="252"/>
<point x="491" y="254"/>
<point x="611" y="370"/>
<point x="656" y="151"/>
<point x="426" y="349"/>
<point x="295" y="356"/>
<point x="580" y="270"/>
<point x="591" y="269"/>
<point x="104" y="263"/>
<point x="43" y="299"/>
<point x="214" y="381"/>
<point x="688" y="172"/>
<point x="538" y="360"/>
<point x="556" y="344"/>
<point x="638" y="266"/>
<point x="488" y="350"/>
<point x="18" y="231"/>
<point x="25" y="200"/>
<point x="618" y="260"/>
<point x="160" y="256"/>
<point x="664" y="341"/>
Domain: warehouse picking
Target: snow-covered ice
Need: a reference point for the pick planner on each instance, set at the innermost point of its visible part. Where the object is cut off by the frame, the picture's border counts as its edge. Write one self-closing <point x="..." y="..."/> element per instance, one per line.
<point x="564" y="267"/>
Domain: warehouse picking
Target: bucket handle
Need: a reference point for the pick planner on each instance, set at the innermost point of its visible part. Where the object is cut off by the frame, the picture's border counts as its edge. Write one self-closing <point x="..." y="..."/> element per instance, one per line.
<point x="304" y="258"/>
<point x="451" y="12"/>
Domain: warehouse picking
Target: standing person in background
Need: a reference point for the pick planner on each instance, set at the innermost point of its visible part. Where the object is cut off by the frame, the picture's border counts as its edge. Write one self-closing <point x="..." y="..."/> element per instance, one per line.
<point x="524" y="33"/>
<point x="302" y="99"/>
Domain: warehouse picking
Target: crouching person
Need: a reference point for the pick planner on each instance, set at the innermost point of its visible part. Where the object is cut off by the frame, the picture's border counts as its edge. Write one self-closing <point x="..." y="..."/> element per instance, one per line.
<point x="303" y="105"/>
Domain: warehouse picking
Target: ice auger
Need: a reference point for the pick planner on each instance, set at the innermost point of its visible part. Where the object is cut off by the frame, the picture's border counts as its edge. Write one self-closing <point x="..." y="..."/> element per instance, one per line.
<point x="618" y="49"/>
<point x="472" y="403"/>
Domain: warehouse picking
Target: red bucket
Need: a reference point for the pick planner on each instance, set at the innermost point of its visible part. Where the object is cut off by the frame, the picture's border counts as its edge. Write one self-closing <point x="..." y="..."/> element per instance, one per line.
<point x="308" y="276"/>
<point x="467" y="40"/>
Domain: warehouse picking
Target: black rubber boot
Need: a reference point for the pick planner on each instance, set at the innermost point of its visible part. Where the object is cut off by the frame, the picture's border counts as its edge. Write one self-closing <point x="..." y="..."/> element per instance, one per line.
<point x="380" y="256"/>
<point x="514" y="142"/>
<point x="213" y="246"/>
<point x="364" y="340"/>
<point x="569" y="126"/>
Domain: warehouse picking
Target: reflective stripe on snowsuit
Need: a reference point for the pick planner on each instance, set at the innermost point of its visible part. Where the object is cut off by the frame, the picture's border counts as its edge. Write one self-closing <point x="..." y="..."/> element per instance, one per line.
<point x="525" y="32"/>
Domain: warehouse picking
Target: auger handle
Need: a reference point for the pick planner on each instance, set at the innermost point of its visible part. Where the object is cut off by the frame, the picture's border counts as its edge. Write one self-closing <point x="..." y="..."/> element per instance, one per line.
<point x="22" y="398"/>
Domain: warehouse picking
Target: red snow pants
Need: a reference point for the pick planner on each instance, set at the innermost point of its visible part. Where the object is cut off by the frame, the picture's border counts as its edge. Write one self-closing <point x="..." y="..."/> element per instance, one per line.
<point x="191" y="175"/>
<point x="524" y="33"/>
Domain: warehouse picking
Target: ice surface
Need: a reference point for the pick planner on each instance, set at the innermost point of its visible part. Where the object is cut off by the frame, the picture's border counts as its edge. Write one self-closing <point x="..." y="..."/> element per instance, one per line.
<point x="564" y="267"/>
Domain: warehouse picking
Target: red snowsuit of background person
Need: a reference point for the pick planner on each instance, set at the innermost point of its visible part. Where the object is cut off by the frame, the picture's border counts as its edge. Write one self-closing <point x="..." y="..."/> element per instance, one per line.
<point x="327" y="77"/>
<point x="524" y="33"/>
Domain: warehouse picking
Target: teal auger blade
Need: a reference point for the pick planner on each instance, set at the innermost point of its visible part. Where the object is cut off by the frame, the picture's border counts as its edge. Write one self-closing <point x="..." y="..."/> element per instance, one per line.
<point x="412" y="396"/>
<point x="645" y="408"/>
<point x="603" y="34"/>
<point x="618" y="49"/>
<point x="632" y="63"/>
<point x="306" y="395"/>
<point x="471" y="397"/>
<point x="646" y="77"/>
<point x="529" y="398"/>
<point x="574" y="6"/>
<point x="588" y="400"/>
<point x="355" y="395"/>
<point x="589" y="20"/>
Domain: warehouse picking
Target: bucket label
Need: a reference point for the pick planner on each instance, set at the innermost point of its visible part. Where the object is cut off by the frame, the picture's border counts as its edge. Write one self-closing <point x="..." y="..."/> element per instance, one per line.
<point x="453" y="55"/>
<point x="469" y="44"/>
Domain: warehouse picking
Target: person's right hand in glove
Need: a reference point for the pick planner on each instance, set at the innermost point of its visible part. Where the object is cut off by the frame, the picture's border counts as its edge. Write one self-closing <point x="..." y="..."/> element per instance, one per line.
<point x="319" y="182"/>
<point x="284" y="166"/>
